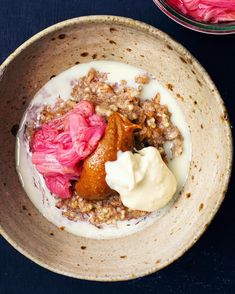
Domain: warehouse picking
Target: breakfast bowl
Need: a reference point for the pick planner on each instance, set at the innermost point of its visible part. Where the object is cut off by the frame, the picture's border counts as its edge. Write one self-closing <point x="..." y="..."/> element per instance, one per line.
<point x="207" y="27"/>
<point x="111" y="38"/>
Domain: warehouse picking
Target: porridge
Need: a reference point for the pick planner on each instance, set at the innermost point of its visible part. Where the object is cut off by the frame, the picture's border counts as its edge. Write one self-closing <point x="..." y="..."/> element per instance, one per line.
<point x="74" y="137"/>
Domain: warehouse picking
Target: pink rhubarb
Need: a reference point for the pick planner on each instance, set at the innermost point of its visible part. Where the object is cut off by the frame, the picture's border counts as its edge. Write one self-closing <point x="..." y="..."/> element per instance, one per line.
<point x="59" y="147"/>
<point x="213" y="11"/>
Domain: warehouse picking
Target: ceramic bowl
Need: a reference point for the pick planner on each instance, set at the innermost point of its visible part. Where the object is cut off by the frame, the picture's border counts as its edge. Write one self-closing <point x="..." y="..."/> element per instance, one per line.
<point x="114" y="38"/>
<point x="222" y="28"/>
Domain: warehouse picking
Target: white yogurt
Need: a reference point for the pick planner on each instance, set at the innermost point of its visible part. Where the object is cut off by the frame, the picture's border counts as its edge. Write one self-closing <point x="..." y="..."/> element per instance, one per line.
<point x="61" y="86"/>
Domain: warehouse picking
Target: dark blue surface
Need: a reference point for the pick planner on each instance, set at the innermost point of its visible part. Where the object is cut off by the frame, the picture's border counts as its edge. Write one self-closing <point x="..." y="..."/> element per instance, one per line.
<point x="209" y="267"/>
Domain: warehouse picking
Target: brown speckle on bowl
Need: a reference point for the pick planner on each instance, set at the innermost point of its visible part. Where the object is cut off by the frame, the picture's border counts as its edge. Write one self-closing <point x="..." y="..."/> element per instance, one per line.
<point x="112" y="30"/>
<point x="188" y="195"/>
<point x="24" y="98"/>
<point x="94" y="56"/>
<point x="61" y="36"/>
<point x="123" y="256"/>
<point x="183" y="60"/>
<point x="84" y="54"/>
<point x="206" y="226"/>
<point x="141" y="55"/>
<point x="190" y="61"/>
<point x="199" y="82"/>
<point x="112" y="42"/>
<point x="14" y="129"/>
<point x="170" y="86"/>
<point x="83" y="247"/>
<point x="158" y="261"/>
<point x="193" y="71"/>
<point x="145" y="262"/>
<point x="201" y="206"/>
<point x="180" y="97"/>
<point x="53" y="39"/>
<point x="62" y="228"/>
<point x="201" y="126"/>
<point x="224" y="116"/>
<point x="128" y="49"/>
<point x="169" y="47"/>
<point x="77" y="62"/>
<point x="51" y="234"/>
<point x="53" y="76"/>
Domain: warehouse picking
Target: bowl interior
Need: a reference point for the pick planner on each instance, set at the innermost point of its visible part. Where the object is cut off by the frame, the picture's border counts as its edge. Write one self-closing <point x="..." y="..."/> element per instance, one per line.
<point x="114" y="38"/>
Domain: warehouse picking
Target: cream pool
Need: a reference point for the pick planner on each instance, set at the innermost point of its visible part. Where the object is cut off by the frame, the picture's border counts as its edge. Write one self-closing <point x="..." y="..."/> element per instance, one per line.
<point x="33" y="182"/>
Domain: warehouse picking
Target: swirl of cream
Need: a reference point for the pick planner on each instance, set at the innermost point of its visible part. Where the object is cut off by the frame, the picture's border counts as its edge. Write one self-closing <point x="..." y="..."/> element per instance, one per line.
<point x="142" y="179"/>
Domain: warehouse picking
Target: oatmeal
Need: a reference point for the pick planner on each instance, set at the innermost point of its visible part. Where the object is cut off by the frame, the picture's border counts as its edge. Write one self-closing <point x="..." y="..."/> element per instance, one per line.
<point x="155" y="129"/>
<point x="153" y="117"/>
<point x="110" y="89"/>
<point x="97" y="212"/>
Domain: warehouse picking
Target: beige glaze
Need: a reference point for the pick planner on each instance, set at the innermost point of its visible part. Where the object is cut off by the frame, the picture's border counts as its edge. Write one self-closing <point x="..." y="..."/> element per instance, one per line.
<point x="105" y="37"/>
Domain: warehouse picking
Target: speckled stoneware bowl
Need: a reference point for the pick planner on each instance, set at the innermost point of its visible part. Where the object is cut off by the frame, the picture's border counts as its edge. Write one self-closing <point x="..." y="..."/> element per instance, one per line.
<point x="114" y="38"/>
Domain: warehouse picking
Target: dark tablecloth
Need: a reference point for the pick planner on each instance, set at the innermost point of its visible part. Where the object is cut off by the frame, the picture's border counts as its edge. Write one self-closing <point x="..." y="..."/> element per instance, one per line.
<point x="208" y="267"/>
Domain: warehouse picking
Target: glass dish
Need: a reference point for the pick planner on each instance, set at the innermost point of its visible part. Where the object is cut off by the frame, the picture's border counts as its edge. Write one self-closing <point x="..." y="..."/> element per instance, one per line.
<point x="188" y="22"/>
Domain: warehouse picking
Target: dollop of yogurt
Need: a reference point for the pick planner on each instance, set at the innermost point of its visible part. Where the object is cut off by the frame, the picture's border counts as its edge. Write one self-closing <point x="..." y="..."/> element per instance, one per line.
<point x="142" y="179"/>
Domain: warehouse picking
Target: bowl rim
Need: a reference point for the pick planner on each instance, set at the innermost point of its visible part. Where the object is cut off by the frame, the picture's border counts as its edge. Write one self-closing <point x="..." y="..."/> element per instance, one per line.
<point x="193" y="24"/>
<point x="179" y="48"/>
